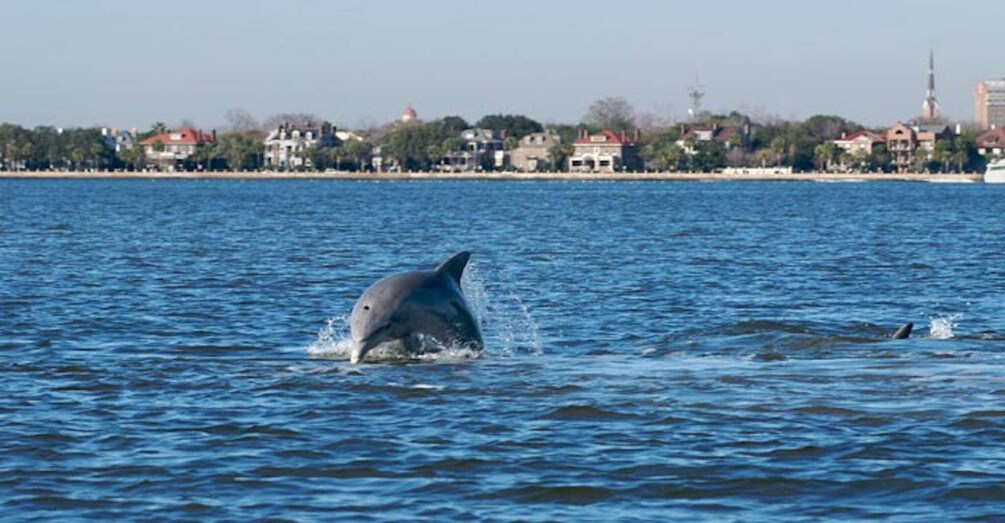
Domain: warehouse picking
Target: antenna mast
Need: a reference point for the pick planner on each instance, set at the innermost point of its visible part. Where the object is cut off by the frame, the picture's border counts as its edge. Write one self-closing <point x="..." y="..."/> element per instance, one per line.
<point x="694" y="95"/>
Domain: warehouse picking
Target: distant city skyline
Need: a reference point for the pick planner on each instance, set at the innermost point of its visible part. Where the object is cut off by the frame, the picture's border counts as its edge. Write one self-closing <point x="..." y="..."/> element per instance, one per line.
<point x="360" y="63"/>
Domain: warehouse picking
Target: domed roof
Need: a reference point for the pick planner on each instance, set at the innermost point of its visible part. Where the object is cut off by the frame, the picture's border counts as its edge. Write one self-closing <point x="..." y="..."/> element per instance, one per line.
<point x="409" y="113"/>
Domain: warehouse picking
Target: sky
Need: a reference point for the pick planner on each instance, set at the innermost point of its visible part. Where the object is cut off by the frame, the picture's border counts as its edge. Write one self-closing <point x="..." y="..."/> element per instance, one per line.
<point x="125" y="64"/>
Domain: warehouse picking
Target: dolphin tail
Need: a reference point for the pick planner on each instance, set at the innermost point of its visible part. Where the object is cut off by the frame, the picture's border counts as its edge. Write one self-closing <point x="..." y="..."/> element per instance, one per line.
<point x="904" y="331"/>
<point x="454" y="267"/>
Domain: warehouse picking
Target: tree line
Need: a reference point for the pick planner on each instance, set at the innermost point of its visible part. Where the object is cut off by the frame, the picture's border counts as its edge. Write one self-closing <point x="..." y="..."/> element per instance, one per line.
<point x="802" y="145"/>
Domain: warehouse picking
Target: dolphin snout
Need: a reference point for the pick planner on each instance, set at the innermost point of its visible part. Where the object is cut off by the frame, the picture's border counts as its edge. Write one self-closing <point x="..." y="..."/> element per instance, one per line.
<point x="362" y="346"/>
<point x="358" y="351"/>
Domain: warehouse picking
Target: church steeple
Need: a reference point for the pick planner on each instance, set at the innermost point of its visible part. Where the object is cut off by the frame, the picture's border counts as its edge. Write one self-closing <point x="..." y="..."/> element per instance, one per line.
<point x="930" y="109"/>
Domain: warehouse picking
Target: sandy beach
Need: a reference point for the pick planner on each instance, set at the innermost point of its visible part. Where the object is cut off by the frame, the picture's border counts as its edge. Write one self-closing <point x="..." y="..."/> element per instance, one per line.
<point x="661" y="176"/>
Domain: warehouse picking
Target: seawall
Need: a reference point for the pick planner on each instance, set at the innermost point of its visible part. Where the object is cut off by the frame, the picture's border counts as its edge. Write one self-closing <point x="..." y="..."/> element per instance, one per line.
<point x="667" y="176"/>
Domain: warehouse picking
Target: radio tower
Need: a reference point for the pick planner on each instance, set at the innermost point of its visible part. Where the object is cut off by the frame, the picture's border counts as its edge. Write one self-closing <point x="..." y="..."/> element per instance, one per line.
<point x="694" y="95"/>
<point x="930" y="109"/>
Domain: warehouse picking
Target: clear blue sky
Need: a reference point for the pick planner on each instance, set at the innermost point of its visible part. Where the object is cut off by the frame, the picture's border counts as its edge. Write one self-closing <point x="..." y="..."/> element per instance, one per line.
<point x="129" y="64"/>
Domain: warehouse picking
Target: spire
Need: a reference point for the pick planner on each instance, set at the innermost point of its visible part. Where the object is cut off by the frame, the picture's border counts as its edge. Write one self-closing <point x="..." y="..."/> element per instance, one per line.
<point x="930" y="109"/>
<point x="931" y="74"/>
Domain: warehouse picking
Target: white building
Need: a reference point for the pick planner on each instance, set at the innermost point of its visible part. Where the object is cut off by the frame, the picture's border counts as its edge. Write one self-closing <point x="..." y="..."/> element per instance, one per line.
<point x="478" y="148"/>
<point x="284" y="146"/>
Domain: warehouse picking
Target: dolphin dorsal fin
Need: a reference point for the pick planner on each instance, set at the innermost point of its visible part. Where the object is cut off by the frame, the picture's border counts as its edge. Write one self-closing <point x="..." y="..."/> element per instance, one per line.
<point x="904" y="331"/>
<point x="454" y="267"/>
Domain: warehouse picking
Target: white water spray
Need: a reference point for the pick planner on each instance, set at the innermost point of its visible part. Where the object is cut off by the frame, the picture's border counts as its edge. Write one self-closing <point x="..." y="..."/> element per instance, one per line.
<point x="941" y="328"/>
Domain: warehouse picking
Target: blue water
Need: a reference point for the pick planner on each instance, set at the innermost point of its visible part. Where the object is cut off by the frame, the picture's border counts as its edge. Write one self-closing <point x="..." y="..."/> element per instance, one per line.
<point x="173" y="350"/>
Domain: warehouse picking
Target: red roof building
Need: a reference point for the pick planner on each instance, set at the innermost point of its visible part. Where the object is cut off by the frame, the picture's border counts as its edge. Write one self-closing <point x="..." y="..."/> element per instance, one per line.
<point x="605" y="151"/>
<point x="992" y="143"/>
<point x="860" y="142"/>
<point x="169" y="148"/>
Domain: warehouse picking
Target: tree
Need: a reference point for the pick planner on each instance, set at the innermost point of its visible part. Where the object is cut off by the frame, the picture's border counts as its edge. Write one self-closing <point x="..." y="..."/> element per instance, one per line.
<point x="97" y="150"/>
<point x="240" y="121"/>
<point x="559" y="154"/>
<point x="274" y="121"/>
<point x="613" y="113"/>
<point x="764" y="156"/>
<point x="453" y="124"/>
<point x="824" y="155"/>
<point x="358" y="152"/>
<point x="709" y="156"/>
<point x="510" y="125"/>
<point x="158" y="147"/>
<point x="419" y="146"/>
<point x="78" y="155"/>
<point x="778" y="148"/>
<point x="880" y="159"/>
<point x="240" y="150"/>
<point x="942" y="154"/>
<point x="135" y="157"/>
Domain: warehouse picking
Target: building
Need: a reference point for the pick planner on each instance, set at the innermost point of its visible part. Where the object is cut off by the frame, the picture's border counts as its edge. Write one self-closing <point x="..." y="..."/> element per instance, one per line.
<point x="118" y="140"/>
<point x="285" y="145"/>
<point x="860" y="142"/>
<point x="605" y="151"/>
<point x="908" y="145"/>
<point x="930" y="107"/>
<point x="902" y="145"/>
<point x="930" y="134"/>
<point x="729" y="136"/>
<point x="409" y="114"/>
<point x="991" y="144"/>
<point x="989" y="104"/>
<point x="477" y="152"/>
<point x="168" y="149"/>
<point x="532" y="153"/>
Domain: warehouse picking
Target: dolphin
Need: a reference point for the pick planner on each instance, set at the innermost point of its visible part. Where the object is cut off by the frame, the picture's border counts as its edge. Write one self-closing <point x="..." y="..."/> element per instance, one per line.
<point x="404" y="309"/>
<point x="903" y="332"/>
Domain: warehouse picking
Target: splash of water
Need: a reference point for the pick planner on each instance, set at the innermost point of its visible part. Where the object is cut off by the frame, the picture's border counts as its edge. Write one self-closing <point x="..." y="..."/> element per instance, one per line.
<point x="941" y="327"/>
<point x="333" y="339"/>
<point x="506" y="323"/>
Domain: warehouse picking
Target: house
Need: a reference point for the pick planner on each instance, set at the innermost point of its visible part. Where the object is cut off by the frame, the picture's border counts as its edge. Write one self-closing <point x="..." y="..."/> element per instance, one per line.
<point x="991" y="144"/>
<point x="532" y="152"/>
<point x="729" y="136"/>
<point x="908" y="145"/>
<point x="901" y="144"/>
<point x="168" y="149"/>
<point x="605" y="151"/>
<point x="929" y="134"/>
<point x="285" y="145"/>
<point x="477" y="152"/>
<point x="859" y="143"/>
<point x="118" y="140"/>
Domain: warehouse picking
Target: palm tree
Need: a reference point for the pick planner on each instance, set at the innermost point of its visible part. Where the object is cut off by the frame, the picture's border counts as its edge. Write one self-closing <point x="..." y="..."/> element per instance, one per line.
<point x="96" y="150"/>
<point x="158" y="147"/>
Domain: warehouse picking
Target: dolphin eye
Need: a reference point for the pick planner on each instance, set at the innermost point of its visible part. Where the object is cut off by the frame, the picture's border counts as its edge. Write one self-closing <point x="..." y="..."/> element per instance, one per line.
<point x="366" y="307"/>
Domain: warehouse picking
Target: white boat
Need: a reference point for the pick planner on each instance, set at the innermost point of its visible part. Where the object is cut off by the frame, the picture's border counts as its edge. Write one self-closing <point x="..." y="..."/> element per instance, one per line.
<point x="995" y="172"/>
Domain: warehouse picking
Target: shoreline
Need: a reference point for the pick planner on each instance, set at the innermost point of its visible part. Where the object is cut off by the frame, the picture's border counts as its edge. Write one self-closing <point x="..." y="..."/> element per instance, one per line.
<point x="560" y="176"/>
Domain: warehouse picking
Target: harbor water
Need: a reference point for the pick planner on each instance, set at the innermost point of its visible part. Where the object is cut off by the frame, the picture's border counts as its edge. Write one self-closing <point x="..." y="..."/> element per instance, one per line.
<point x="175" y="350"/>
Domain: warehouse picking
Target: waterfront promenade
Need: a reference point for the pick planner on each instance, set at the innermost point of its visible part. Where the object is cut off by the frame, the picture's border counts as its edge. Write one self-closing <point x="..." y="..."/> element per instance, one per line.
<point x="655" y="176"/>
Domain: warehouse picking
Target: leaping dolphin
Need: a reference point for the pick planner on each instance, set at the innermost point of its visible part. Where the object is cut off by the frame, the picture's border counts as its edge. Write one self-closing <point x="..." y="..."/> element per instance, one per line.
<point x="408" y="309"/>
